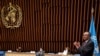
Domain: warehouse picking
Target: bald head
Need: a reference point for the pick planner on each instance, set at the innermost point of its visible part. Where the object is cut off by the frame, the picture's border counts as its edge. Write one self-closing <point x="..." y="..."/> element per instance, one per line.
<point x="86" y="35"/>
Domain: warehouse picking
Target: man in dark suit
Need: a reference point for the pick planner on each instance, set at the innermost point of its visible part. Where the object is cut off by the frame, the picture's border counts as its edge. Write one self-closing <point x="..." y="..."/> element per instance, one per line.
<point x="40" y="53"/>
<point x="87" y="47"/>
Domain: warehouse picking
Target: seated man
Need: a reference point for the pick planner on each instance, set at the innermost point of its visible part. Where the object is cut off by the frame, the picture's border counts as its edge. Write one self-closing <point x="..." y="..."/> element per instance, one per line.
<point x="40" y="53"/>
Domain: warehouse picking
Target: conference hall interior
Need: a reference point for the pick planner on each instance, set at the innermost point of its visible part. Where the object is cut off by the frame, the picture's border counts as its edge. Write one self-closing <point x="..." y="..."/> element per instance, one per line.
<point x="49" y="27"/>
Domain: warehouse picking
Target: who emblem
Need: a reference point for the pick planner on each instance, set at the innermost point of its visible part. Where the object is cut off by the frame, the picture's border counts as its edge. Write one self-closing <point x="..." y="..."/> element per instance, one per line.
<point x="11" y="16"/>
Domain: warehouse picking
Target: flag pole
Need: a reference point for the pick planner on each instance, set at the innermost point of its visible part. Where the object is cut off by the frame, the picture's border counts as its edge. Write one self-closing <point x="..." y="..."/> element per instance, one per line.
<point x="92" y="11"/>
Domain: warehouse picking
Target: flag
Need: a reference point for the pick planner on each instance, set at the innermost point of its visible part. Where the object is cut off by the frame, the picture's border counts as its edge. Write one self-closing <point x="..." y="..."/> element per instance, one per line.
<point x="92" y="31"/>
<point x="98" y="54"/>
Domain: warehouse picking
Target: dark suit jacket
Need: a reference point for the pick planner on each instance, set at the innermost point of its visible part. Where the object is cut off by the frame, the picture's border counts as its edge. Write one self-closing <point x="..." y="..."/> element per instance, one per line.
<point x="40" y="53"/>
<point x="87" y="50"/>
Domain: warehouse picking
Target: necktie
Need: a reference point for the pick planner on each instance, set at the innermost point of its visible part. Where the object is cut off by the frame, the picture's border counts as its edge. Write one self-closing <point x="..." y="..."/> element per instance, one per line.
<point x="84" y="43"/>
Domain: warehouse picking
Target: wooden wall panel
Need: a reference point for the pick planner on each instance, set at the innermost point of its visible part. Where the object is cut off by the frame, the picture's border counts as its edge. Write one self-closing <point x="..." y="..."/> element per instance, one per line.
<point x="50" y="24"/>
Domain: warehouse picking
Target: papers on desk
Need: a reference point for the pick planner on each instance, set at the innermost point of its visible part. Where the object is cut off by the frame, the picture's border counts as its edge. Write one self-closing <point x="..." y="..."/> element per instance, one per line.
<point x="32" y="51"/>
<point x="9" y="51"/>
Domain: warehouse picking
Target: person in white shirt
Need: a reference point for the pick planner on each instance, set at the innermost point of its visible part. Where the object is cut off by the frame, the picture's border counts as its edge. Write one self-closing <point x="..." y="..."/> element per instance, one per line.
<point x="65" y="52"/>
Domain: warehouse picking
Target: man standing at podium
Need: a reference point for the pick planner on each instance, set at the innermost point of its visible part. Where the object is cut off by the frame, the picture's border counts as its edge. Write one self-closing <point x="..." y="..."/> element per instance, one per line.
<point x="87" y="46"/>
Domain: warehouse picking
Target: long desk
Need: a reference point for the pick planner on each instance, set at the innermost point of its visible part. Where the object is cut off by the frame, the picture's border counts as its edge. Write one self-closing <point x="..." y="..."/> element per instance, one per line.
<point x="19" y="54"/>
<point x="28" y="54"/>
